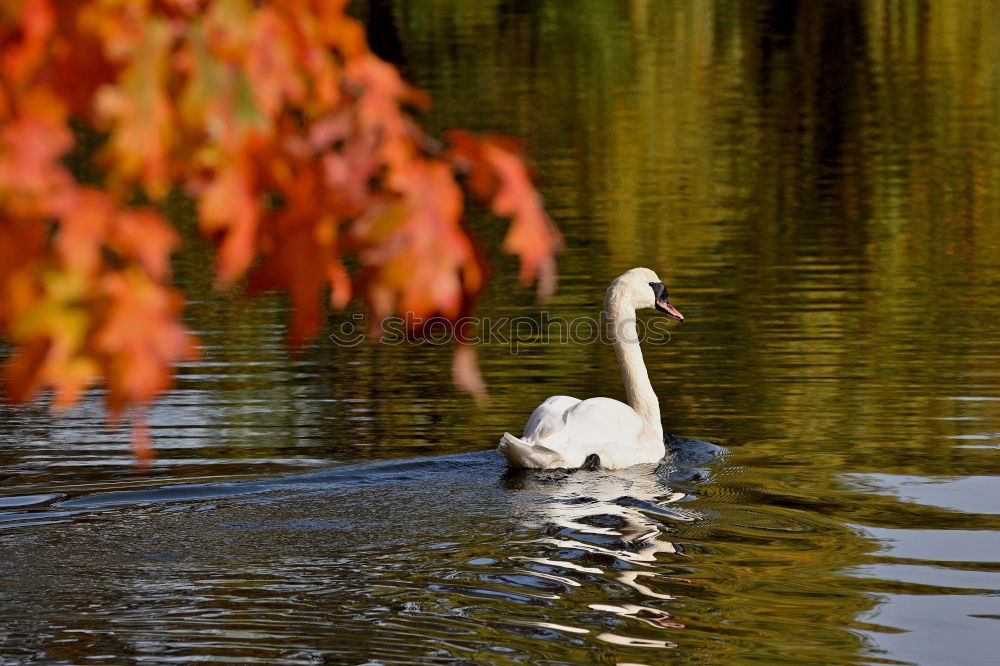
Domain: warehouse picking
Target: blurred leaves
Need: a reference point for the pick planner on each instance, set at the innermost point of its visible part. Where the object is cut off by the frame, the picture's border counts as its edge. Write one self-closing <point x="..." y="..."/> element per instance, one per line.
<point x="299" y="148"/>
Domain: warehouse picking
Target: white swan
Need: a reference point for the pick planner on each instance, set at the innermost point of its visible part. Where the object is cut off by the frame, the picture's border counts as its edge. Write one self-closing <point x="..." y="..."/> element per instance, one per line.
<point x="566" y="432"/>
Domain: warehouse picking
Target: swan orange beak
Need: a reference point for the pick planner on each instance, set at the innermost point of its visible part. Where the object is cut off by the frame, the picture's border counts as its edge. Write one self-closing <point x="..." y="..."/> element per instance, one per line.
<point x="666" y="308"/>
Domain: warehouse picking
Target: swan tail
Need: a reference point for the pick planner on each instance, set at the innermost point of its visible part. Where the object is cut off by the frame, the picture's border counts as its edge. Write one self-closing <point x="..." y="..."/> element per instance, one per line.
<point x="522" y="453"/>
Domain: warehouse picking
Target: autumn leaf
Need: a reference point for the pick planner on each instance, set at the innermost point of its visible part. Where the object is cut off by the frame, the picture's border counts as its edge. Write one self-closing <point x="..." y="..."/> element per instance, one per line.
<point x="499" y="178"/>
<point x="228" y="209"/>
<point x="34" y="23"/>
<point x="300" y="150"/>
<point x="138" y="110"/>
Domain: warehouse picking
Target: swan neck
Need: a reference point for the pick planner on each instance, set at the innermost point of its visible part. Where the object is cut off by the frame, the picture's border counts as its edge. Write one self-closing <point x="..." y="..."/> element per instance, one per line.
<point x="621" y="322"/>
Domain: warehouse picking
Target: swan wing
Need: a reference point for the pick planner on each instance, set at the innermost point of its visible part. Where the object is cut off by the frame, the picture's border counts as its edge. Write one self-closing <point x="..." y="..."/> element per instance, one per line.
<point x="549" y="418"/>
<point x="563" y="431"/>
<point x="603" y="419"/>
<point x="607" y="427"/>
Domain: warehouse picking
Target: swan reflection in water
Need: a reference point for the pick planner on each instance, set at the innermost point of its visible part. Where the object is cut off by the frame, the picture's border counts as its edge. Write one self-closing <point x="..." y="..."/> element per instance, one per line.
<point x="589" y="517"/>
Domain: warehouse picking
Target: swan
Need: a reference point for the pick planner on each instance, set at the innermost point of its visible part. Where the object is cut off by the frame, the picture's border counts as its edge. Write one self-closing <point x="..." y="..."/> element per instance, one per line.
<point x="601" y="432"/>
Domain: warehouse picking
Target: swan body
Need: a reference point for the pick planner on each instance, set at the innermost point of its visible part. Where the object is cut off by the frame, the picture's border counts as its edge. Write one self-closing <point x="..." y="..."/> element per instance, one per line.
<point x="565" y="432"/>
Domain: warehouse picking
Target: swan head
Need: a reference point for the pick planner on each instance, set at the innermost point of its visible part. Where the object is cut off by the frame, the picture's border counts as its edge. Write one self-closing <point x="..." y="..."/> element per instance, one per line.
<point x="642" y="288"/>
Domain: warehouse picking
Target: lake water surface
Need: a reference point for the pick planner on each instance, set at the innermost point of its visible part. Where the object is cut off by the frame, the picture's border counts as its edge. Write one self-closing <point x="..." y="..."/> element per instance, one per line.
<point x="819" y="188"/>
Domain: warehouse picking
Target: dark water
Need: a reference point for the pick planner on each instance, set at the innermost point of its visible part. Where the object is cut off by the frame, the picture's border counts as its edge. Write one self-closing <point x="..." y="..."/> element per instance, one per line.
<point x="819" y="187"/>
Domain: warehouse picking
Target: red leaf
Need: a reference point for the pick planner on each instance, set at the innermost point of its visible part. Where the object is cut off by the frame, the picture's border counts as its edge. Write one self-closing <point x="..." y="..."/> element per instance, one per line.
<point x="294" y="262"/>
<point x="35" y="24"/>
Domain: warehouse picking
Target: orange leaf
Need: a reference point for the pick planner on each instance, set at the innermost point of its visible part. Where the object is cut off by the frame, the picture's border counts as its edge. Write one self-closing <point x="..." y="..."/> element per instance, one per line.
<point x="31" y="144"/>
<point x="139" y="338"/>
<point x="298" y="144"/>
<point x="143" y="235"/>
<point x="36" y="21"/>
<point x="228" y="208"/>
<point x="495" y="173"/>
<point x="139" y="111"/>
<point x="298" y="265"/>
<point x="465" y="373"/>
<point x="271" y="63"/>
<point x="86" y="217"/>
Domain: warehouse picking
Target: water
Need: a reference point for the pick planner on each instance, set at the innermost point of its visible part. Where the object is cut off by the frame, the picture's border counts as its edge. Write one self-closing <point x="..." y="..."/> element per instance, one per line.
<point x="820" y="190"/>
